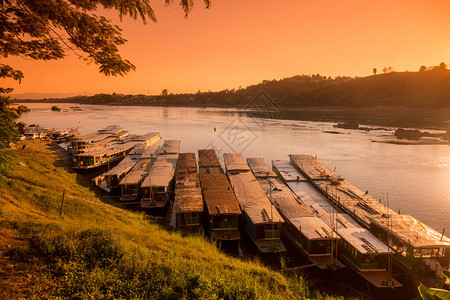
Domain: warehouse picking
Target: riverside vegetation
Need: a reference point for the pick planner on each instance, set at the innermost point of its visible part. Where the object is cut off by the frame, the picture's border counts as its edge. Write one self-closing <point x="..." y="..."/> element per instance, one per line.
<point x="98" y="250"/>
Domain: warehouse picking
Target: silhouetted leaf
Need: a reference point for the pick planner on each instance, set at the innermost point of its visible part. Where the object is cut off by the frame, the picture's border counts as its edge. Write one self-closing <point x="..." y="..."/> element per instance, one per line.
<point x="440" y="293"/>
<point x="445" y="272"/>
<point x="423" y="292"/>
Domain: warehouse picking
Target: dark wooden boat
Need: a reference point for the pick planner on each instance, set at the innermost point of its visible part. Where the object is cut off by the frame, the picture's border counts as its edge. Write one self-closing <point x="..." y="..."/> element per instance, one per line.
<point x="221" y="207"/>
<point x="260" y="219"/>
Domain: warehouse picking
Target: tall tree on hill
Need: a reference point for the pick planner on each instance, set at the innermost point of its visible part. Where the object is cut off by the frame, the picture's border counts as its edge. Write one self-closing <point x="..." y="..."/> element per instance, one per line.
<point x="442" y="66"/>
<point x="374" y="71"/>
<point x="47" y="30"/>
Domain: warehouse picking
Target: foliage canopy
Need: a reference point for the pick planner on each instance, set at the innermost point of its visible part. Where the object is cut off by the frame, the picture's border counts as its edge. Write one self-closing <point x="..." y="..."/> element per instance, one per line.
<point x="47" y="30"/>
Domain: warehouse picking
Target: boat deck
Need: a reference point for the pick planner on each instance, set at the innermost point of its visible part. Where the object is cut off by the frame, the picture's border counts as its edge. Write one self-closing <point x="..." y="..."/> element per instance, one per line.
<point x="259" y="168"/>
<point x="138" y="172"/>
<point x="171" y="147"/>
<point x="124" y="166"/>
<point x="151" y="151"/>
<point x="285" y="170"/>
<point x="207" y="158"/>
<point x="188" y="195"/>
<point x="218" y="196"/>
<point x="352" y="200"/>
<point x="235" y="163"/>
<point x="409" y="229"/>
<point x="160" y="174"/>
<point x="252" y="199"/>
<point x="187" y="209"/>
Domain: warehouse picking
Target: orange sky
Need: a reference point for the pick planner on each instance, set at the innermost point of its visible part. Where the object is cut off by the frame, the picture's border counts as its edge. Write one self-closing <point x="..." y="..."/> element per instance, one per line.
<point x="242" y="42"/>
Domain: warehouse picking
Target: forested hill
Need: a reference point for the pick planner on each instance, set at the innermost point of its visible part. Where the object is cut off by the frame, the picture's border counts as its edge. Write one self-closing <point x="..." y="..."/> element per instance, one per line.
<point x="426" y="89"/>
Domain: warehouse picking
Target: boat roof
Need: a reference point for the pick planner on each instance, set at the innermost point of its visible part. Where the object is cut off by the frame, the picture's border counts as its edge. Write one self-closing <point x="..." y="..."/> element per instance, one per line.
<point x="171" y="158"/>
<point x="284" y="199"/>
<point x="120" y="134"/>
<point x="186" y="165"/>
<point x="341" y="220"/>
<point x="259" y="168"/>
<point x="124" y="166"/>
<point x="109" y="150"/>
<point x="295" y="211"/>
<point x="235" y="162"/>
<point x="287" y="172"/>
<point x="171" y="147"/>
<point x="217" y="192"/>
<point x="99" y="134"/>
<point x="161" y="174"/>
<point x="100" y="143"/>
<point x="188" y="195"/>
<point x="151" y="151"/>
<point x="138" y="149"/>
<point x="90" y="137"/>
<point x="278" y="192"/>
<point x="208" y="158"/>
<point x="410" y="230"/>
<point x="347" y="228"/>
<point x="111" y="129"/>
<point x="356" y="202"/>
<point x="213" y="179"/>
<point x="313" y="228"/>
<point x="147" y="136"/>
<point x="363" y="240"/>
<point x="313" y="168"/>
<point x="252" y="199"/>
<point x="319" y="204"/>
<point x="221" y="202"/>
<point x="308" y="193"/>
<point x="138" y="172"/>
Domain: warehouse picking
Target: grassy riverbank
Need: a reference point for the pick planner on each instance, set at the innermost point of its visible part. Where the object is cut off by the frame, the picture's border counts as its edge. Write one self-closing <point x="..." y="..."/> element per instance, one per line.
<point x="96" y="250"/>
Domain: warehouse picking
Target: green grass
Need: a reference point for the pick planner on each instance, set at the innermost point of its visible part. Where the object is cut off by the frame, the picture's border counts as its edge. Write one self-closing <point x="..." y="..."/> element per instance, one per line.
<point x="98" y="251"/>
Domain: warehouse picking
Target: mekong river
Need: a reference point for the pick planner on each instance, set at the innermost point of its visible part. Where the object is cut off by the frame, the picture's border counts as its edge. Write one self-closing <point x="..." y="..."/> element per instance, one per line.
<point x="415" y="178"/>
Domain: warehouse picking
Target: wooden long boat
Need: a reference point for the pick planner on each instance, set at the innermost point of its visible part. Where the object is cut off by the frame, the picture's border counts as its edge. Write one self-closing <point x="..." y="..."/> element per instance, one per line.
<point x="260" y="218"/>
<point x="112" y="152"/>
<point x="158" y="184"/>
<point x="360" y="205"/>
<point x="97" y="158"/>
<point x="113" y="177"/>
<point x="171" y="147"/>
<point x="207" y="158"/>
<point x="131" y="183"/>
<point x="187" y="209"/>
<point x="416" y="245"/>
<point x="357" y="247"/>
<point x="110" y="180"/>
<point x="221" y="207"/>
<point x="312" y="236"/>
<point x="81" y="143"/>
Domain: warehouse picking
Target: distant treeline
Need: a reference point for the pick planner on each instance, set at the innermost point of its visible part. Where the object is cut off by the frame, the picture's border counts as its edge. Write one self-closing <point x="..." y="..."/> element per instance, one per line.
<point x="424" y="89"/>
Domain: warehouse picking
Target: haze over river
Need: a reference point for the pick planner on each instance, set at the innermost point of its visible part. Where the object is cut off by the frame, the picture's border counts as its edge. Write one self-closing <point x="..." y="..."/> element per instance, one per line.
<point x="416" y="177"/>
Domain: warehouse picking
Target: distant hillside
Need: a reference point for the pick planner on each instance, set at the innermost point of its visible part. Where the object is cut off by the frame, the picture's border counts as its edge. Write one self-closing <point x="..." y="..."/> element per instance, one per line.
<point x="428" y="89"/>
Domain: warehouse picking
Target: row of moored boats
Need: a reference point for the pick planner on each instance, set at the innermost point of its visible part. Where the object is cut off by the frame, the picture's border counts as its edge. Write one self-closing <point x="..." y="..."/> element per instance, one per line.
<point x="333" y="223"/>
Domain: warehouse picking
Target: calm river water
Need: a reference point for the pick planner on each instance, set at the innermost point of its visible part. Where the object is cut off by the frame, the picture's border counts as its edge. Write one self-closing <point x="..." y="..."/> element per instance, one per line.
<point x="416" y="178"/>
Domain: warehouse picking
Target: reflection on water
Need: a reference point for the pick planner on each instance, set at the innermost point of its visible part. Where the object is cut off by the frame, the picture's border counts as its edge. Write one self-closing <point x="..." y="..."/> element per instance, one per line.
<point x="416" y="179"/>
